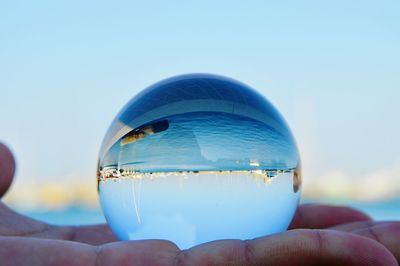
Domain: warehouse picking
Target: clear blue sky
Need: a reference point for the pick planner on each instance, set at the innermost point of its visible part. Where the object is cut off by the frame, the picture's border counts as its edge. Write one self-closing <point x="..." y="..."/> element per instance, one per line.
<point x="331" y="67"/>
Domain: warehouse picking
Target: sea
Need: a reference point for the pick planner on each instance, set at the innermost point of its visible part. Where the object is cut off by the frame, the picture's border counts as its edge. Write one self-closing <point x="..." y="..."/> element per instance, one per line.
<point x="387" y="210"/>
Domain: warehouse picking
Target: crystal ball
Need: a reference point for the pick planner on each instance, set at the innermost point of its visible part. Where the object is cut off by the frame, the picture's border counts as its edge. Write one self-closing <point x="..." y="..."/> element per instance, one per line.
<point x="196" y="158"/>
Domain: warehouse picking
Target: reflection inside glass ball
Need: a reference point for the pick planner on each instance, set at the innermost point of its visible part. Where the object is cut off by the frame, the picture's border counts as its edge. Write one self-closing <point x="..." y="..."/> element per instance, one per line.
<point x="197" y="158"/>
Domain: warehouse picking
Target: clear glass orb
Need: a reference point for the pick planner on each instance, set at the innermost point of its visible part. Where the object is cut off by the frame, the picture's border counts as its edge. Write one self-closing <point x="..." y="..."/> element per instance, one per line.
<point x="197" y="158"/>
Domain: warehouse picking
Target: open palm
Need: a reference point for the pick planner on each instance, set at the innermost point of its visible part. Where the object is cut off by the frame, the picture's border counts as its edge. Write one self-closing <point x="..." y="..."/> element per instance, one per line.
<point x="318" y="235"/>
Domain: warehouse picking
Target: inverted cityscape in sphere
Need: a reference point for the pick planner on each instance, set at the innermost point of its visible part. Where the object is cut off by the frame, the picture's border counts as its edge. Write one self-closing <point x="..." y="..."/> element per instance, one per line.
<point x="196" y="158"/>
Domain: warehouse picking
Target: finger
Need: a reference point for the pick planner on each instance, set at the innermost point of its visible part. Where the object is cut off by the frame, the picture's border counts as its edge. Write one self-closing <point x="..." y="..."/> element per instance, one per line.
<point x="324" y="216"/>
<point x="15" y="224"/>
<point x="349" y="227"/>
<point x="388" y="234"/>
<point x="296" y="247"/>
<point x="33" y="251"/>
<point x="91" y="234"/>
<point x="143" y="252"/>
<point x="7" y="168"/>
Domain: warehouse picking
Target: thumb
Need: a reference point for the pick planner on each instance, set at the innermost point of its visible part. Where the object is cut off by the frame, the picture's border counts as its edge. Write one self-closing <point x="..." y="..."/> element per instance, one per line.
<point x="7" y="168"/>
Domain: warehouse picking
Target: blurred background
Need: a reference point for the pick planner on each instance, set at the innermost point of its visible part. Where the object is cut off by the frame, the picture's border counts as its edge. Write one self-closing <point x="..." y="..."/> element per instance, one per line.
<point x="330" y="67"/>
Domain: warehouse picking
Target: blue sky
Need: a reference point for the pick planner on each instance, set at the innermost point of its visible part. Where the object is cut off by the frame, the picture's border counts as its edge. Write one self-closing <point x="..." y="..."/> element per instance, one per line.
<point x="330" y="67"/>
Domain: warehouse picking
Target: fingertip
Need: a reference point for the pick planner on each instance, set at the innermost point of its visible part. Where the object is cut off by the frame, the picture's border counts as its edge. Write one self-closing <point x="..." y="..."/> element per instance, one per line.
<point x="138" y="252"/>
<point x="321" y="247"/>
<point x="317" y="216"/>
<point x="7" y="168"/>
<point x="387" y="233"/>
<point x="295" y="247"/>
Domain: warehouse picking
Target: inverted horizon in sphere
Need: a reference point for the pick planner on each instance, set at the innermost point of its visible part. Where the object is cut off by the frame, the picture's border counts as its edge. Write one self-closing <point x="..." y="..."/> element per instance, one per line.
<point x="206" y="98"/>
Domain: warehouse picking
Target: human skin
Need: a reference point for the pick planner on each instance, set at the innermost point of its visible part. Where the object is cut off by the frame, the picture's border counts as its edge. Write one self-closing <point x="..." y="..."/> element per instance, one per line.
<point x="318" y="235"/>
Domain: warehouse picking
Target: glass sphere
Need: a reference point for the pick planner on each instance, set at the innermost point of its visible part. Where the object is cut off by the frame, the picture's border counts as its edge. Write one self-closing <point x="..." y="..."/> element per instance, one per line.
<point x="197" y="158"/>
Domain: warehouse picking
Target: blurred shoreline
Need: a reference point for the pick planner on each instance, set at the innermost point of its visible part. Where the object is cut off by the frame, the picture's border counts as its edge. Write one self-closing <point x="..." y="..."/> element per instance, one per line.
<point x="77" y="202"/>
<point x="79" y="215"/>
<point x="64" y="194"/>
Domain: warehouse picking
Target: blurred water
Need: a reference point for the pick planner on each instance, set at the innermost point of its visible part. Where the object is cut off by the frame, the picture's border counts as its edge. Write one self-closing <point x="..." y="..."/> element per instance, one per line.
<point x="71" y="216"/>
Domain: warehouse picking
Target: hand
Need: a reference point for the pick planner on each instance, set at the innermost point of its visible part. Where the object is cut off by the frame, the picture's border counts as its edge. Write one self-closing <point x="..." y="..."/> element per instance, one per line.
<point x="329" y="236"/>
